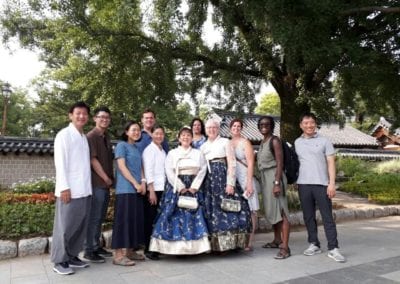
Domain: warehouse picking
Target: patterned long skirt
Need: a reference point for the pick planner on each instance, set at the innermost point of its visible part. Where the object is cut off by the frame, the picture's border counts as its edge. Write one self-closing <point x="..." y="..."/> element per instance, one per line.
<point x="229" y="230"/>
<point x="180" y="231"/>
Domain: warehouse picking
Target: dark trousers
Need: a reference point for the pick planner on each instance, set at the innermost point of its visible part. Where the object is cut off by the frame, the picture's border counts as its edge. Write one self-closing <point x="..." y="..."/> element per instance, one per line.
<point x="150" y="214"/>
<point x="98" y="212"/>
<point x="315" y="195"/>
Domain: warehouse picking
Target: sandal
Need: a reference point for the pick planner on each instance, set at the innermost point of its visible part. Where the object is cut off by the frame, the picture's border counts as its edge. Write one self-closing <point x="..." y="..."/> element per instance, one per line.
<point x="124" y="261"/>
<point x="283" y="253"/>
<point x="272" y="244"/>
<point x="248" y="248"/>
<point x="135" y="256"/>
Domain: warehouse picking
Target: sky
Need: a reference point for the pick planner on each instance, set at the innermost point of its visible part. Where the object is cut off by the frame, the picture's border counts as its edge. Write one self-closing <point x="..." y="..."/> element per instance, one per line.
<point x="18" y="66"/>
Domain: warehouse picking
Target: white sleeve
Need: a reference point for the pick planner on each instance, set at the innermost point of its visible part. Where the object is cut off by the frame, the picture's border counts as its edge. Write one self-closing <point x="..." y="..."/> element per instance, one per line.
<point x="149" y="163"/>
<point x="61" y="162"/>
<point x="198" y="180"/>
<point x="170" y="171"/>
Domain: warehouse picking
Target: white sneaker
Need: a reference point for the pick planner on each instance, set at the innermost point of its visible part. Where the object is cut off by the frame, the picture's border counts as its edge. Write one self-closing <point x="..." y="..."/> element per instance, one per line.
<point x="336" y="255"/>
<point x="311" y="250"/>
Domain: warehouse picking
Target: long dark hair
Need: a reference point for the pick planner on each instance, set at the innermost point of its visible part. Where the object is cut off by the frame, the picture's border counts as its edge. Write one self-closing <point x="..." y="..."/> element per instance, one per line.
<point x="203" y="130"/>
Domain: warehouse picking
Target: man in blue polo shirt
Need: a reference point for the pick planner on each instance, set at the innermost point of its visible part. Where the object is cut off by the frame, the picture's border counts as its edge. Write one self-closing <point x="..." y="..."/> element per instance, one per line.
<point x="316" y="184"/>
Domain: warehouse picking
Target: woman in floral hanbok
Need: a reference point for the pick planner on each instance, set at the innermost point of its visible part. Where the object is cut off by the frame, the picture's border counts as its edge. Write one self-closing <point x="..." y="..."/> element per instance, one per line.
<point x="229" y="230"/>
<point x="182" y="231"/>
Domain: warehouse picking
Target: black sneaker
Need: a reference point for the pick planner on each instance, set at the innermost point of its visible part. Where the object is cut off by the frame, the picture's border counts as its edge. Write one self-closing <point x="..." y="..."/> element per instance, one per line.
<point x="94" y="257"/>
<point x="76" y="262"/>
<point x="63" y="268"/>
<point x="102" y="252"/>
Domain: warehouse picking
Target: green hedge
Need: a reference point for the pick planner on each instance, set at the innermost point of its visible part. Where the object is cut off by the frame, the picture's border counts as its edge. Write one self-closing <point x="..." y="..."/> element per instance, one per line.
<point x="26" y="220"/>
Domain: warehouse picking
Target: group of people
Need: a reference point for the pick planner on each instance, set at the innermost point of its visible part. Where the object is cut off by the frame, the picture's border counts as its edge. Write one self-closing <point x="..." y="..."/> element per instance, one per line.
<point x="199" y="197"/>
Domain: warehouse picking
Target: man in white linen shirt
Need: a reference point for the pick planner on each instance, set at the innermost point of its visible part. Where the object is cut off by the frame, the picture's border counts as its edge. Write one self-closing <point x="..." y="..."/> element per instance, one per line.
<point x="73" y="191"/>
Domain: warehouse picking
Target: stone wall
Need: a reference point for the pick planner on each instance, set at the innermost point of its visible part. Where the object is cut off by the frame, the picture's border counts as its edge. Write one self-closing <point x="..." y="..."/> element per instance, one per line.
<point x="23" y="167"/>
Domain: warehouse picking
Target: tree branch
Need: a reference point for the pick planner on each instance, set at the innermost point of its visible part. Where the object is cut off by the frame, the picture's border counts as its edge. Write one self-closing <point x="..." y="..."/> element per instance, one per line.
<point x="371" y="9"/>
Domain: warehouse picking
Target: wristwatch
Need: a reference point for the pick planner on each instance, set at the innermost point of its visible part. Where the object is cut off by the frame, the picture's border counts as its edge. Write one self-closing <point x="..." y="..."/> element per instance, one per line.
<point x="276" y="182"/>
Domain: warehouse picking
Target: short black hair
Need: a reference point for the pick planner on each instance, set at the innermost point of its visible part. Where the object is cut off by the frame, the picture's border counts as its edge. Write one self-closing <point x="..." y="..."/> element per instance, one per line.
<point x="102" y="108"/>
<point x="271" y="121"/>
<point x="79" y="104"/>
<point x="157" y="126"/>
<point x="308" y="115"/>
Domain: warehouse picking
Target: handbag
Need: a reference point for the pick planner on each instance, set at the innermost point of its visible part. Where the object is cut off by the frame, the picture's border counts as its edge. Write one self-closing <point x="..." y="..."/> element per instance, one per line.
<point x="187" y="202"/>
<point x="230" y="205"/>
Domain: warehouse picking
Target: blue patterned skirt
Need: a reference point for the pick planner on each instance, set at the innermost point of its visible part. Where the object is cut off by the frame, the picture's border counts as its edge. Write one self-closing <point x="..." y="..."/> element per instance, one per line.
<point x="178" y="230"/>
<point x="229" y="230"/>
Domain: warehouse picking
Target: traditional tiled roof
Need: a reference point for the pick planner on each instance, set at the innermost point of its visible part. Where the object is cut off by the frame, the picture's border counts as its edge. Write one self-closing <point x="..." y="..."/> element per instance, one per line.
<point x="16" y="145"/>
<point x="383" y="123"/>
<point x="369" y="154"/>
<point x="340" y="137"/>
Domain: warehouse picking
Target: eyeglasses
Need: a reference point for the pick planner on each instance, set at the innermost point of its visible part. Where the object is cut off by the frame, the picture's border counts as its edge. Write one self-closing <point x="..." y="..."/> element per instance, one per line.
<point x="103" y="117"/>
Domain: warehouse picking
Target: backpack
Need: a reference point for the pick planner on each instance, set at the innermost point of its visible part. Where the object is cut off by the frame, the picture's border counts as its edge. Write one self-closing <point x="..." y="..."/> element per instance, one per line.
<point x="290" y="160"/>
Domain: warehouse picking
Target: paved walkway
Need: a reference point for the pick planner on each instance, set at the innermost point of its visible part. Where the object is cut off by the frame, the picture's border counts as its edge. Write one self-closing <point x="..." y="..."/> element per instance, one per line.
<point x="372" y="247"/>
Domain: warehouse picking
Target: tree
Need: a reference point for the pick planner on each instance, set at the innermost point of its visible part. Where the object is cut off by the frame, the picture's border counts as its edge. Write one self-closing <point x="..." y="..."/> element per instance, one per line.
<point x="131" y="55"/>
<point x="20" y="120"/>
<point x="270" y="104"/>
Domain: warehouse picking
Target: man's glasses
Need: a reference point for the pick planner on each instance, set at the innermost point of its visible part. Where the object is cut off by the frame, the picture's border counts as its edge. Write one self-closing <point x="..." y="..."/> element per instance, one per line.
<point x="103" y="117"/>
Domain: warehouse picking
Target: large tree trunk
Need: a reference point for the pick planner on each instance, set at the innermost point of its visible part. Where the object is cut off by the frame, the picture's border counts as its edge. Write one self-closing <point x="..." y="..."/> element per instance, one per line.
<point x="290" y="110"/>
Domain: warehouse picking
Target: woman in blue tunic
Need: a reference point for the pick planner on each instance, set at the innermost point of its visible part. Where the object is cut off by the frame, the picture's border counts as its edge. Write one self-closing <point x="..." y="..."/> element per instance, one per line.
<point x="130" y="187"/>
<point x="181" y="231"/>
<point x="229" y="230"/>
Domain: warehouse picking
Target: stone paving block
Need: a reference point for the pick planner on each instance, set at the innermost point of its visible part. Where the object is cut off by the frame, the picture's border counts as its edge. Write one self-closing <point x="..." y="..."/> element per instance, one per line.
<point x="378" y="212"/>
<point x="34" y="246"/>
<point x="344" y="214"/>
<point x="386" y="211"/>
<point x="49" y="242"/>
<point x="360" y="214"/>
<point x="294" y="219"/>
<point x="394" y="210"/>
<point x="8" y="249"/>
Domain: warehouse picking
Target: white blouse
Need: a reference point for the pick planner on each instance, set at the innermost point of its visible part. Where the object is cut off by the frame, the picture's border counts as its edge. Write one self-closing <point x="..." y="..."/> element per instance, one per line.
<point x="153" y="165"/>
<point x="221" y="148"/>
<point x="185" y="161"/>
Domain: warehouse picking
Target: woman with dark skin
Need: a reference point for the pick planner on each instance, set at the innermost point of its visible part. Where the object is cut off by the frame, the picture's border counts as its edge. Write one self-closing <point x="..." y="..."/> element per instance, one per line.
<point x="273" y="185"/>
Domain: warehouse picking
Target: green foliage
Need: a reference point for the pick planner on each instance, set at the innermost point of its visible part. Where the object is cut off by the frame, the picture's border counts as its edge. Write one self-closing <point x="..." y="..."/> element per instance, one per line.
<point x="270" y="104"/>
<point x="135" y="54"/>
<point x="42" y="185"/>
<point x="20" y="110"/>
<point x="293" y="199"/>
<point x="392" y="166"/>
<point x="379" y="182"/>
<point x="351" y="166"/>
<point x="26" y="220"/>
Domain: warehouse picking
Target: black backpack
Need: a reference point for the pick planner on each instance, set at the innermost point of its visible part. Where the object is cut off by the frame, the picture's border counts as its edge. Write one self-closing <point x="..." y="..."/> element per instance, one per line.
<point x="290" y="160"/>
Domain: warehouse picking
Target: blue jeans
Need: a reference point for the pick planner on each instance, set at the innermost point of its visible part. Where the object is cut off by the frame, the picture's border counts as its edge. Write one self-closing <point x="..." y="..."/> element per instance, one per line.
<point x="315" y="195"/>
<point x="100" y="200"/>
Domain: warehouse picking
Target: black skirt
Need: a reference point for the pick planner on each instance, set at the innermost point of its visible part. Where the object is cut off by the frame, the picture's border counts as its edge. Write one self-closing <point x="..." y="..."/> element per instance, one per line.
<point x="128" y="228"/>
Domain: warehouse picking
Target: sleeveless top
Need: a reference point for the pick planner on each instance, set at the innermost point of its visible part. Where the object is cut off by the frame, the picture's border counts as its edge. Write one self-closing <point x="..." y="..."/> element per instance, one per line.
<point x="265" y="158"/>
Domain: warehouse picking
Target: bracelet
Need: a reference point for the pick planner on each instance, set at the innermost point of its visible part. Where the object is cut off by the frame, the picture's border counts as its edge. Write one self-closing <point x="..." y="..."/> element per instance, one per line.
<point x="144" y="180"/>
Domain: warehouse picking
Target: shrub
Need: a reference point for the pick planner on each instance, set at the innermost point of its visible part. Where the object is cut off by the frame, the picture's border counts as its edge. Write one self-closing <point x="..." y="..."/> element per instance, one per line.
<point x="42" y="185"/>
<point x="392" y="166"/>
<point x="351" y="166"/>
<point x="26" y="220"/>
